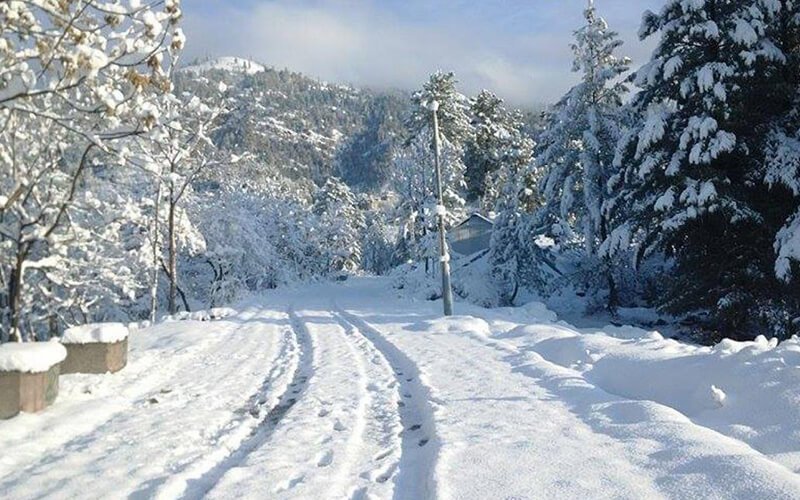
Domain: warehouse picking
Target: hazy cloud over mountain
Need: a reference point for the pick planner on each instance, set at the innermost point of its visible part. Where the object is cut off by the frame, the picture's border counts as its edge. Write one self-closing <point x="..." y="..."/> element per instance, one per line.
<point x="518" y="48"/>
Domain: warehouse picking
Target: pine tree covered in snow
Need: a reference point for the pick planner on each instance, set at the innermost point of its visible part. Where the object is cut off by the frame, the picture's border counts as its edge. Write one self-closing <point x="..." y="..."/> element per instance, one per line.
<point x="576" y="150"/>
<point x="453" y="111"/>
<point x="414" y="174"/>
<point x="692" y="186"/>
<point x="340" y="226"/>
<point x="498" y="149"/>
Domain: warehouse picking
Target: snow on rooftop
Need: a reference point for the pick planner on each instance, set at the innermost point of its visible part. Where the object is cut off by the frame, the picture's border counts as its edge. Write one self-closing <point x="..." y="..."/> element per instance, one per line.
<point x="233" y="64"/>
<point x="31" y="357"/>
<point x="105" y="333"/>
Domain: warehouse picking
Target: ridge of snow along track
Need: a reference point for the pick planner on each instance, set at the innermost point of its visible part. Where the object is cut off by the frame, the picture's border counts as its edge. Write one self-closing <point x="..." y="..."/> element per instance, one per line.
<point x="687" y="447"/>
<point x="282" y="387"/>
<point x="383" y="429"/>
<point x="342" y="439"/>
<point x="314" y="449"/>
<point x="420" y="444"/>
<point x="130" y="432"/>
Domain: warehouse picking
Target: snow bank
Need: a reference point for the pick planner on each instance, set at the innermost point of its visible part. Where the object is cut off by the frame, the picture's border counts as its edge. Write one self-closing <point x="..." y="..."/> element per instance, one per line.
<point x="746" y="390"/>
<point x="454" y="324"/>
<point x="138" y="325"/>
<point x="103" y="333"/>
<point x="31" y="357"/>
<point x="537" y="311"/>
<point x="214" y="314"/>
<point x="222" y="312"/>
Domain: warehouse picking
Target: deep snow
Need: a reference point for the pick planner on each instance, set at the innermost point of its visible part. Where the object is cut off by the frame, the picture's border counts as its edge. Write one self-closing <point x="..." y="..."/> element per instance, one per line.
<point x="106" y="333"/>
<point x="346" y="390"/>
<point x="31" y="358"/>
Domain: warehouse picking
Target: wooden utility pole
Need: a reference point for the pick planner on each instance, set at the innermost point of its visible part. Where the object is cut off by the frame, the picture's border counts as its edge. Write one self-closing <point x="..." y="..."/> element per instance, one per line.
<point x="447" y="290"/>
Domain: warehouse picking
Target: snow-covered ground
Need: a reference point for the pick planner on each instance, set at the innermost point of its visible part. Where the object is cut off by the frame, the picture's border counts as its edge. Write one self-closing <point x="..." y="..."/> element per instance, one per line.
<point x="347" y="391"/>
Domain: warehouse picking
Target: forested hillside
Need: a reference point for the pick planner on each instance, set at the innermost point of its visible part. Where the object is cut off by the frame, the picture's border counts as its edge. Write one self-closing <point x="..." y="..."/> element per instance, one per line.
<point x="297" y="126"/>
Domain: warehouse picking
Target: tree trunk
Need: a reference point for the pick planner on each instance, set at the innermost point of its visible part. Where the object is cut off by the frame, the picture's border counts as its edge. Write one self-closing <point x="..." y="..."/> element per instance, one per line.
<point x="172" y="264"/>
<point x="613" y="296"/>
<point x="15" y="298"/>
<point x="156" y="256"/>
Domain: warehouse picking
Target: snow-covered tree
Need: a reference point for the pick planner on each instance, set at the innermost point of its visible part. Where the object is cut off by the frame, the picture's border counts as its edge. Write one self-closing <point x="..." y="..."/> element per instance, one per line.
<point x="414" y="172"/>
<point x="576" y="150"/>
<point x="177" y="154"/>
<point x="453" y="111"/>
<point x="498" y="149"/>
<point x="692" y="185"/>
<point x="75" y="78"/>
<point x="341" y="224"/>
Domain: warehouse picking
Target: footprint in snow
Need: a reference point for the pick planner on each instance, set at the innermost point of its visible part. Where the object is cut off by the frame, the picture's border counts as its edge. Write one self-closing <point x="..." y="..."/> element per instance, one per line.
<point x="324" y="412"/>
<point x="360" y="494"/>
<point x="423" y="442"/>
<point x="289" y="484"/>
<point x="415" y="427"/>
<point x="325" y="459"/>
<point x="339" y="426"/>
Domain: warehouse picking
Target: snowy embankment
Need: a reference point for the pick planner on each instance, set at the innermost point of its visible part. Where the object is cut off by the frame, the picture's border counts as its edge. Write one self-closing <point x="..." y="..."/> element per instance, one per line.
<point x="345" y="390"/>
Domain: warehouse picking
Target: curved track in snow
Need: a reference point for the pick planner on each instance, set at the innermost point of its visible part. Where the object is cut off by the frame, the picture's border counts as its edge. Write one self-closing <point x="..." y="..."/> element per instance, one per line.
<point x="420" y="444"/>
<point x="343" y="437"/>
<point x="192" y="394"/>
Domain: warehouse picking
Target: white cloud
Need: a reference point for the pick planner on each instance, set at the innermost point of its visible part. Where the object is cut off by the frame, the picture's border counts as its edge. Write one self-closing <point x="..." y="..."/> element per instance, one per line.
<point x="378" y="44"/>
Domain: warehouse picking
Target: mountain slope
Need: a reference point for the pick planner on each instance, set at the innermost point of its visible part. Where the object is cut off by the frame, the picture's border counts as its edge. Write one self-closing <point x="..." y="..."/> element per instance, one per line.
<point x="294" y="124"/>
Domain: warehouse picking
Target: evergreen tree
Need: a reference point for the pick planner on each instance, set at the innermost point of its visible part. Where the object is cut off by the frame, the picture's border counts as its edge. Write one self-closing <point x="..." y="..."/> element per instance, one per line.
<point x="498" y="147"/>
<point x="693" y="164"/>
<point x="414" y="173"/>
<point x="454" y="124"/>
<point x="340" y="226"/>
<point x="576" y="150"/>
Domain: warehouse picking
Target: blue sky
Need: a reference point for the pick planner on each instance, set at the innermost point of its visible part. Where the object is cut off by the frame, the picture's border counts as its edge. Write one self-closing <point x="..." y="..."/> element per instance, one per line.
<point x="518" y="48"/>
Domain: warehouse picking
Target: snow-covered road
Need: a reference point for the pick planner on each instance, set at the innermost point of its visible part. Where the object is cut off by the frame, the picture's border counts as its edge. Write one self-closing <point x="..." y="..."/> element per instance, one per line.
<point x="345" y="391"/>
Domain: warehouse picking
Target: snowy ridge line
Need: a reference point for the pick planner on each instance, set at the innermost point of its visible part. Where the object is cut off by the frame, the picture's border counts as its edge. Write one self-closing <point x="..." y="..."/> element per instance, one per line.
<point x="381" y="397"/>
<point x="564" y="380"/>
<point x="268" y="405"/>
<point x="415" y="478"/>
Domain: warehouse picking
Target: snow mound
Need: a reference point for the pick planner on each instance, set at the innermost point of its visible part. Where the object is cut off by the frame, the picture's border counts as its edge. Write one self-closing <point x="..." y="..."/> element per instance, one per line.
<point x="539" y="312"/>
<point x="454" y="324"/>
<point x="103" y="333"/>
<point x="231" y="64"/>
<point x="31" y="357"/>
<point x="139" y="325"/>
<point x="222" y="312"/>
<point x="213" y="314"/>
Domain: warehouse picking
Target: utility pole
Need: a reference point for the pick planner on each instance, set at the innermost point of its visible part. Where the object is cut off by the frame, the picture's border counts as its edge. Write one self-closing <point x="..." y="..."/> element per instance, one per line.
<point x="441" y="211"/>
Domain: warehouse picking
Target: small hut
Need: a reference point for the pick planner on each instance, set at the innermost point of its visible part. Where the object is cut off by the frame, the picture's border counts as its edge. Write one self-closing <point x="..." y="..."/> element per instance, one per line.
<point x="471" y="236"/>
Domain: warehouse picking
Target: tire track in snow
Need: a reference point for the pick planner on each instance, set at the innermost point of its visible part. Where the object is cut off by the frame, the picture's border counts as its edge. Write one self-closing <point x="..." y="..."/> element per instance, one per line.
<point x="334" y="429"/>
<point x="288" y="378"/>
<point x="384" y="422"/>
<point x="420" y="444"/>
<point x="141" y="381"/>
<point x="340" y="439"/>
